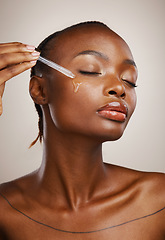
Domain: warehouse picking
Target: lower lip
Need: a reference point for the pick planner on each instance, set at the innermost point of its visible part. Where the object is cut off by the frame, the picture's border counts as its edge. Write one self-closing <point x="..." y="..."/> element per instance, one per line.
<point x="113" y="115"/>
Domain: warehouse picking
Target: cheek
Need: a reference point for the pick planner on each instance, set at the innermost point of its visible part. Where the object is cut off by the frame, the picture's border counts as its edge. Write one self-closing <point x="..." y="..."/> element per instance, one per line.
<point x="59" y="100"/>
<point x="75" y="112"/>
<point x="68" y="109"/>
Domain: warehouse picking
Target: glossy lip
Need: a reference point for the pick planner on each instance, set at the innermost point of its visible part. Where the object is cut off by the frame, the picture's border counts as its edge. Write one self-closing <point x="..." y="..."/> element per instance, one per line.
<point x="116" y="107"/>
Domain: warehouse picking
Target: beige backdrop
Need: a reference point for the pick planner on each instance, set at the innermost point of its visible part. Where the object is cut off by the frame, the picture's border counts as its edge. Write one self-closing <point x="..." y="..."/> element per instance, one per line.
<point x="141" y="24"/>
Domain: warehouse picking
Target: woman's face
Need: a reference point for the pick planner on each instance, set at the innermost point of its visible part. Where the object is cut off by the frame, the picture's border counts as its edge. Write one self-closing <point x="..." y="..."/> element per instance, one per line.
<point x="101" y="99"/>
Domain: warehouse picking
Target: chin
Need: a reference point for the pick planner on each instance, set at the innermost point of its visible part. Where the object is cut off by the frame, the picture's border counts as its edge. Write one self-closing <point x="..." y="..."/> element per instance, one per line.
<point x="105" y="134"/>
<point x="112" y="137"/>
<point x="112" y="132"/>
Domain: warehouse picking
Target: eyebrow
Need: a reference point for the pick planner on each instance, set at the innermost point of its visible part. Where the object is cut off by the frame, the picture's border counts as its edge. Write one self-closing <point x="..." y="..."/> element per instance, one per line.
<point x="130" y="62"/>
<point x="99" y="54"/>
<point x="93" y="52"/>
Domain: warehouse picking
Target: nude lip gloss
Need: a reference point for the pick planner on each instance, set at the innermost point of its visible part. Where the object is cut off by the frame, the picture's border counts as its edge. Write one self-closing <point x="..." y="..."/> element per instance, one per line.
<point x="114" y="111"/>
<point x="113" y="115"/>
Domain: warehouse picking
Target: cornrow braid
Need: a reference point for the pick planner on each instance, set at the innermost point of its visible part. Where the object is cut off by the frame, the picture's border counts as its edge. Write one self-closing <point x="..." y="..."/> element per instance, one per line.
<point x="40" y="125"/>
<point x="41" y="48"/>
<point x="44" y="48"/>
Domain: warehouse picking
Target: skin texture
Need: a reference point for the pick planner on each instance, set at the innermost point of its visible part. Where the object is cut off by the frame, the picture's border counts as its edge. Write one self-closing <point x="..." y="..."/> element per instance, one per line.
<point x="73" y="189"/>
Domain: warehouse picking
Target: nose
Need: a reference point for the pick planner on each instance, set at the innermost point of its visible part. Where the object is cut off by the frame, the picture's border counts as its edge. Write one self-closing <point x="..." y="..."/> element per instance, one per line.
<point x="115" y="87"/>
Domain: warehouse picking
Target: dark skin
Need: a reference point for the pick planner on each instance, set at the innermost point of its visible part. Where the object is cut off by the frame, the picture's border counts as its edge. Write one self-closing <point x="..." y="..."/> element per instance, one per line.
<point x="73" y="189"/>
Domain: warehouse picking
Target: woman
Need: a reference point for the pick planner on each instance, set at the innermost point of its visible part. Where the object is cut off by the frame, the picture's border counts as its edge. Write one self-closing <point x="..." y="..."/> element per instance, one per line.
<point x="74" y="195"/>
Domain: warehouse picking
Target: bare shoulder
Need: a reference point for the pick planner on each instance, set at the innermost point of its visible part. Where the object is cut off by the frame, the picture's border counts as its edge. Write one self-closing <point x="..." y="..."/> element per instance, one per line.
<point x="149" y="186"/>
<point x="7" y="190"/>
<point x="152" y="197"/>
<point x="12" y="194"/>
<point x="146" y="194"/>
<point x="153" y="187"/>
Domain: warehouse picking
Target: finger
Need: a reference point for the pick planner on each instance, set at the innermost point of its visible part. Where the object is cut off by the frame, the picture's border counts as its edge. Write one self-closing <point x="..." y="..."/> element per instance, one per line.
<point x="1" y="108"/>
<point x="2" y="88"/>
<point x="15" y="47"/>
<point x="10" y="43"/>
<point x="8" y="59"/>
<point x="14" y="70"/>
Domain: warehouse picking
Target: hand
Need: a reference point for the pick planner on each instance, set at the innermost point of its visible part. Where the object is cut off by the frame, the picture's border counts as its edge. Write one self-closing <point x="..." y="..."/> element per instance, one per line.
<point x="15" y="58"/>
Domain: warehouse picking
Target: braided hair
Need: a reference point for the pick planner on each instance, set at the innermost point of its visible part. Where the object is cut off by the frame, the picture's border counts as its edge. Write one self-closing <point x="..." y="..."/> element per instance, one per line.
<point x="44" y="48"/>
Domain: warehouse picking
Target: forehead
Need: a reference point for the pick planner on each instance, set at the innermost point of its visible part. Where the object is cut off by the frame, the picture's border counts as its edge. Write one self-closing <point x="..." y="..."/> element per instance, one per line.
<point x="97" y="38"/>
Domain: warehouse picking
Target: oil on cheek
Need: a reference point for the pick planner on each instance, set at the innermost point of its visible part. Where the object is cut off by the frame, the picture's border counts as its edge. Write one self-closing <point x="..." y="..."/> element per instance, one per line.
<point x="76" y="85"/>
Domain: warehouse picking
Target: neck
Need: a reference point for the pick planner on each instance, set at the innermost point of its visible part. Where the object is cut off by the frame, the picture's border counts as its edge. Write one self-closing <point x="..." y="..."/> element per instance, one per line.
<point x="72" y="167"/>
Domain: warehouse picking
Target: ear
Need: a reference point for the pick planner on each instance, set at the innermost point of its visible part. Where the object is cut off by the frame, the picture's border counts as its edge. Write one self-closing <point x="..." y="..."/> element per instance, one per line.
<point x="38" y="90"/>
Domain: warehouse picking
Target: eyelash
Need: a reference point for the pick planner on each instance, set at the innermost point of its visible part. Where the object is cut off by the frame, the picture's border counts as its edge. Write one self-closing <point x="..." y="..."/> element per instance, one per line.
<point x="89" y="73"/>
<point x="130" y="83"/>
<point x="97" y="73"/>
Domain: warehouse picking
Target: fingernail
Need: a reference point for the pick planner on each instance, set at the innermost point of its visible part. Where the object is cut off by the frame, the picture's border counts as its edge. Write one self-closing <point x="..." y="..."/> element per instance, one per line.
<point x="33" y="62"/>
<point x="35" y="54"/>
<point x="30" y="47"/>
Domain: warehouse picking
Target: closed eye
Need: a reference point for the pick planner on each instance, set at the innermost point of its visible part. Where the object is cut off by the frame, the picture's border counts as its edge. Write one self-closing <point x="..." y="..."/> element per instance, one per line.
<point x="89" y="73"/>
<point x="129" y="83"/>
